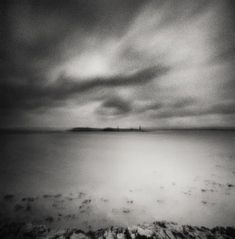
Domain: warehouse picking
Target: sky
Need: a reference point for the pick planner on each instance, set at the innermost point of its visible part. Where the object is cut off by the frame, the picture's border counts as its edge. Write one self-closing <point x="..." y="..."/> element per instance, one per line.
<point x="109" y="63"/>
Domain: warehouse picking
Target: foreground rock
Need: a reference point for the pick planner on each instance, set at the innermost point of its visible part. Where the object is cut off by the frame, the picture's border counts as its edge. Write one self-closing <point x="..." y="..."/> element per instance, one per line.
<point x="157" y="230"/>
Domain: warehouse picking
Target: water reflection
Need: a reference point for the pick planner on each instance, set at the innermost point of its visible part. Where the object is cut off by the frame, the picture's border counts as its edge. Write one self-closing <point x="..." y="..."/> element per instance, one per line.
<point x="124" y="178"/>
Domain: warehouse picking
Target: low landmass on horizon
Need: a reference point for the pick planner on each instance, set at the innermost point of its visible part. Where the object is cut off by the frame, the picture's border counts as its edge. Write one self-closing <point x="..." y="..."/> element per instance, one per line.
<point x="108" y="129"/>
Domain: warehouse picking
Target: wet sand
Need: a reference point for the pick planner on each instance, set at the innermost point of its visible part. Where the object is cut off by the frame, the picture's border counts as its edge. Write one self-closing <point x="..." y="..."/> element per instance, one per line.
<point x="87" y="211"/>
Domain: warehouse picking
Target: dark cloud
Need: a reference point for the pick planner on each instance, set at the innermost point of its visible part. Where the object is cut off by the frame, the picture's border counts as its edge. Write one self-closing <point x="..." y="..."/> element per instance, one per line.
<point x="183" y="102"/>
<point x="34" y="31"/>
<point x="115" y="106"/>
<point x="182" y="107"/>
<point x="224" y="108"/>
<point x="35" y="94"/>
<point x="140" y="77"/>
<point x="153" y="53"/>
<point x="174" y="105"/>
<point x="154" y="106"/>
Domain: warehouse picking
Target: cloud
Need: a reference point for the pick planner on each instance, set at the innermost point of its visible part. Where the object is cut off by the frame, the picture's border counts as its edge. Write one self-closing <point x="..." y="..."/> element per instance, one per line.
<point x="141" y="59"/>
<point x="224" y="108"/>
<point x="140" y="77"/>
<point x="180" y="108"/>
<point x="115" y="106"/>
<point x="31" y="94"/>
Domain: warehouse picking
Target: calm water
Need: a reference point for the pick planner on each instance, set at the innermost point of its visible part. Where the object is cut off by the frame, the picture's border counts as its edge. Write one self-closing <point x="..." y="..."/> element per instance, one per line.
<point x="97" y="179"/>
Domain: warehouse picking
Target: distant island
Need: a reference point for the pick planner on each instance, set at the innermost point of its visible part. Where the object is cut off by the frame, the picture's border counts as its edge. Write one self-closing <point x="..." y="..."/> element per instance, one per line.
<point x="30" y="130"/>
<point x="146" y="129"/>
<point x="107" y="129"/>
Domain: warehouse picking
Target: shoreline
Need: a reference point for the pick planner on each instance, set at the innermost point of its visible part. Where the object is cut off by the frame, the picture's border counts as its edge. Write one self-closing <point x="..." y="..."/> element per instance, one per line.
<point x="85" y="211"/>
<point x="159" y="229"/>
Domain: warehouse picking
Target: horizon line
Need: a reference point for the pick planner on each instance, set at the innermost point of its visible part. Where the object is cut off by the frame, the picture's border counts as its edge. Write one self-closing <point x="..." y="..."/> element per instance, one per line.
<point x="88" y="128"/>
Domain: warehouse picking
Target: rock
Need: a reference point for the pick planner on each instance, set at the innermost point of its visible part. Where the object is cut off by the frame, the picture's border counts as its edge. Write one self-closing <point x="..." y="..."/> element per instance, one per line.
<point x="132" y="232"/>
<point x="126" y="210"/>
<point x="28" y="199"/>
<point x="178" y="234"/>
<point x="160" y="224"/>
<point x="121" y="236"/>
<point x="8" y="197"/>
<point x="169" y="234"/>
<point x="33" y="231"/>
<point x="161" y="234"/>
<point x="109" y="234"/>
<point x="18" y="207"/>
<point x="78" y="236"/>
<point x="230" y="231"/>
<point x="28" y="208"/>
<point x="27" y="229"/>
<point x="144" y="232"/>
<point x="133" y="235"/>
<point x="158" y="230"/>
<point x="49" y="219"/>
<point x="10" y="230"/>
<point x="58" y="234"/>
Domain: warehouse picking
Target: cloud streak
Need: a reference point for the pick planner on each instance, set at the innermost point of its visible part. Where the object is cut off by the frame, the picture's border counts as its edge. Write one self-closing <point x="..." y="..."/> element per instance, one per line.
<point x="32" y="95"/>
<point x="135" y="60"/>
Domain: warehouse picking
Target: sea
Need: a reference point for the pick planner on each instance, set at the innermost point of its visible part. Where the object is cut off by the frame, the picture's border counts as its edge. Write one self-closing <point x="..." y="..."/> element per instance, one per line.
<point x="96" y="179"/>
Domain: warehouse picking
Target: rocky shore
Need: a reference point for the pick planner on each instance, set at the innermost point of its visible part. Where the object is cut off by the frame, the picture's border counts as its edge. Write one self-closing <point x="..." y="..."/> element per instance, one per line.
<point x="156" y="230"/>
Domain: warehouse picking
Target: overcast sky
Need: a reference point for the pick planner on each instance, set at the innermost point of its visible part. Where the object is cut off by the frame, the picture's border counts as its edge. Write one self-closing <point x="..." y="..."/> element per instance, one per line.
<point x="117" y="63"/>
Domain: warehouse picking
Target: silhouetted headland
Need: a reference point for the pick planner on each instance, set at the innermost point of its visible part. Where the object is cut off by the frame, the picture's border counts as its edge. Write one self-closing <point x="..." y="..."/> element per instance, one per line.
<point x="107" y="129"/>
<point x="30" y="130"/>
<point x="140" y="129"/>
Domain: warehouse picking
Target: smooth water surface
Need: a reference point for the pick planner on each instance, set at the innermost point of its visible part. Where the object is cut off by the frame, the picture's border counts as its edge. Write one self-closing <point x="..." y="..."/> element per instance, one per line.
<point x="97" y="179"/>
